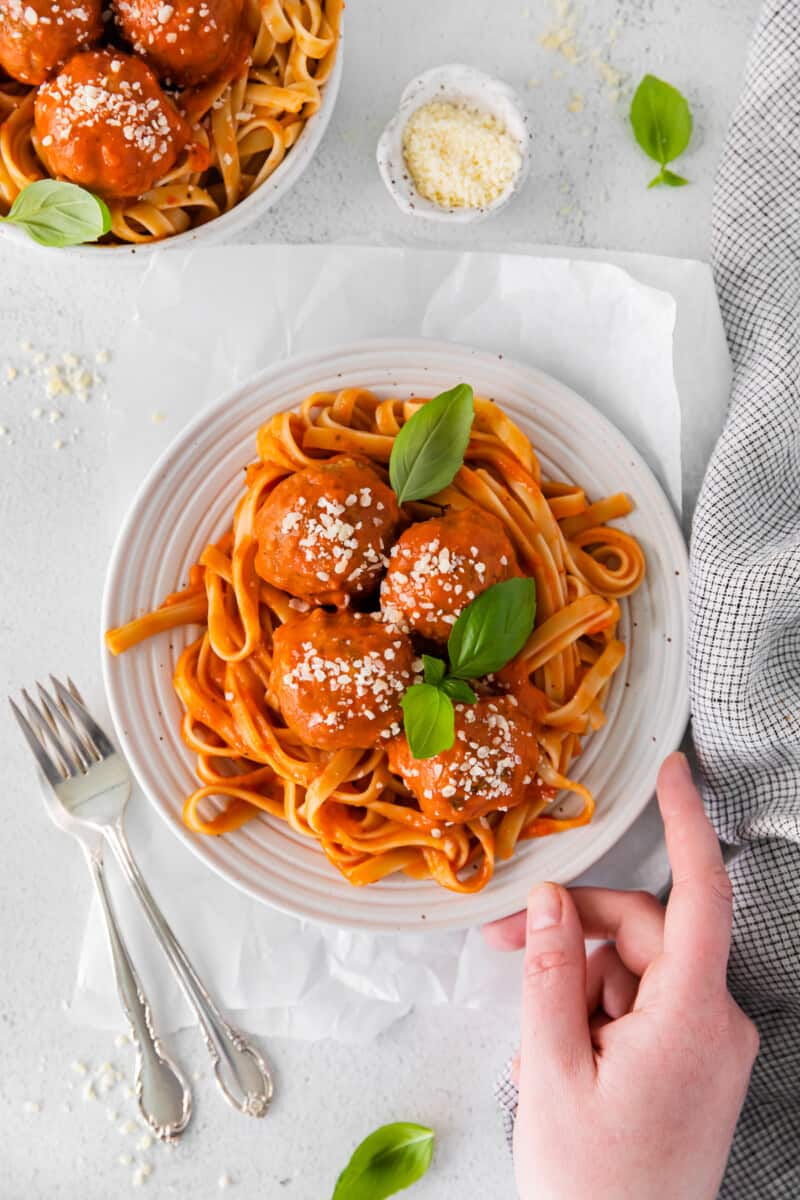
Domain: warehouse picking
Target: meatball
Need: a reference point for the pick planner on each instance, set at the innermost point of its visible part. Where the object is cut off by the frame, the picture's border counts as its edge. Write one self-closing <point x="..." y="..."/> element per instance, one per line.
<point x="185" y="40"/>
<point x="105" y="123"/>
<point x="339" y="678"/>
<point x="323" y="533"/>
<point x="490" y="765"/>
<point x="36" y="36"/>
<point x="437" y="567"/>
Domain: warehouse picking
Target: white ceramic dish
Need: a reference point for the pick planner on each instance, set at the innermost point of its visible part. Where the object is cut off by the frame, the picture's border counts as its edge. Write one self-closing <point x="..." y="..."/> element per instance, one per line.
<point x="232" y="222"/>
<point x="187" y="500"/>
<point x="459" y="84"/>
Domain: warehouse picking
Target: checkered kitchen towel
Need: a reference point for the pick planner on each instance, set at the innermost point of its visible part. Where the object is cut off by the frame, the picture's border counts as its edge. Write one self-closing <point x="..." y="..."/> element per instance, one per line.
<point x="745" y="598"/>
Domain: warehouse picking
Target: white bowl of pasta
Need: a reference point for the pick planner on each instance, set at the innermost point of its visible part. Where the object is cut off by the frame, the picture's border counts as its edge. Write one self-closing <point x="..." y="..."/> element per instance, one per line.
<point x="251" y="133"/>
<point x="627" y="720"/>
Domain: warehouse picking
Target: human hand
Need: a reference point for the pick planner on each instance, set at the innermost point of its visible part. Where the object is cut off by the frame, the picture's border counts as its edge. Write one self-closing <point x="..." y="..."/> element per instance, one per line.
<point x="634" y="1065"/>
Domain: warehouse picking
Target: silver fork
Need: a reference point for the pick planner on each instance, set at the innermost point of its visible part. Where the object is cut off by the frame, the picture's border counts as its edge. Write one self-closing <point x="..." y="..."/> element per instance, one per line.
<point x="90" y="785"/>
<point x="162" y="1091"/>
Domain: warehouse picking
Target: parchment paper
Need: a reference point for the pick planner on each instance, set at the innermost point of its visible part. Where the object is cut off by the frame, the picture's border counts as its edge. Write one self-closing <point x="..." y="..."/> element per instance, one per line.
<point x="208" y="319"/>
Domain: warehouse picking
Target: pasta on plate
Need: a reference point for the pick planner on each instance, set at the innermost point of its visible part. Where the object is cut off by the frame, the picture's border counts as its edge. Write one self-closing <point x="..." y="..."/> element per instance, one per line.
<point x="173" y="113"/>
<point x="317" y="607"/>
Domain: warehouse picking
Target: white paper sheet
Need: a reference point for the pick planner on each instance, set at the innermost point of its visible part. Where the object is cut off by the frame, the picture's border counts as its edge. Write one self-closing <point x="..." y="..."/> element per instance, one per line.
<point x="205" y="321"/>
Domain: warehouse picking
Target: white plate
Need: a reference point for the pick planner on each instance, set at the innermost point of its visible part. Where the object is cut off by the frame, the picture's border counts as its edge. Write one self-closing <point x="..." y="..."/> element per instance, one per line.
<point x="284" y="177"/>
<point x="187" y="500"/>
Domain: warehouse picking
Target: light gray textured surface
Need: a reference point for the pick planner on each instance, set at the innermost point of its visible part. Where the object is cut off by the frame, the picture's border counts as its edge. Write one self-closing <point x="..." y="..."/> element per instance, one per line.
<point x="58" y="514"/>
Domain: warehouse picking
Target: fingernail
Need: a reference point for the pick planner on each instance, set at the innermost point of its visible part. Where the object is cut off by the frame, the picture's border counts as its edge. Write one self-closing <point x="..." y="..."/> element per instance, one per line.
<point x="544" y="907"/>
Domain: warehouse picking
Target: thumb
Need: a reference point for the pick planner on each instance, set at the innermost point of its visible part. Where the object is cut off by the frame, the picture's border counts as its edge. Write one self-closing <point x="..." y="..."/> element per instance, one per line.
<point x="556" y="1044"/>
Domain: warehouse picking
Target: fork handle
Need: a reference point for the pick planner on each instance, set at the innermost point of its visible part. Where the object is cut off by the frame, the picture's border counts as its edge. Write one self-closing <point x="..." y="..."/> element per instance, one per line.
<point x="240" y="1071"/>
<point x="162" y="1092"/>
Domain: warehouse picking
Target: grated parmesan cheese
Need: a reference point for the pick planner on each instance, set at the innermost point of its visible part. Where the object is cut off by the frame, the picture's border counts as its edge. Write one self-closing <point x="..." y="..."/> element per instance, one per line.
<point x="459" y="157"/>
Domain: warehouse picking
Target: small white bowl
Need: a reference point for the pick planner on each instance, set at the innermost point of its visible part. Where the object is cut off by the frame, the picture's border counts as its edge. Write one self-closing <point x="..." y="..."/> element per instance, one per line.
<point x="459" y="84"/>
<point x="235" y="219"/>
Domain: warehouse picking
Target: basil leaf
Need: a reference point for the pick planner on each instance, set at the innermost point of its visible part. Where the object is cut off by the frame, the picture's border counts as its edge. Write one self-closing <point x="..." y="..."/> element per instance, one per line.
<point x="662" y="124"/>
<point x="59" y="214"/>
<point x="430" y="447"/>
<point x="428" y="719"/>
<point x="457" y="689"/>
<point x="492" y="629"/>
<point x="390" y="1159"/>
<point x="434" y="669"/>
<point x="673" y="180"/>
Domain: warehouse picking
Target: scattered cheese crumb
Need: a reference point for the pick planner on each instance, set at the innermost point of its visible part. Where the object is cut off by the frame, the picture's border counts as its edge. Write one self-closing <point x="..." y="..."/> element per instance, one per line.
<point x="141" y="1173"/>
<point x="58" y="444"/>
<point x="128" y="1127"/>
<point x="121" y="1040"/>
<point x="459" y="157"/>
<point x="80" y="1068"/>
<point x="32" y="1106"/>
<point x="144" y="1142"/>
<point x="11" y="374"/>
<point x="224" y="1181"/>
<point x="157" y="418"/>
<point x="125" y="1160"/>
<point x="102" y="356"/>
<point x="576" y="103"/>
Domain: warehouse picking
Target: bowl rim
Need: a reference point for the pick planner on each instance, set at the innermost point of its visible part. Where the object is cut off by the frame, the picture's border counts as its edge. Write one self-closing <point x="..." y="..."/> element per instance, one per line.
<point x="227" y="223"/>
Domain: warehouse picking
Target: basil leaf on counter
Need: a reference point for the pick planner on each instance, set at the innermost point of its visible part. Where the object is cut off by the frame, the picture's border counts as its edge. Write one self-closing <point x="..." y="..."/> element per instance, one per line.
<point x="390" y="1159"/>
<point x="59" y="214"/>
<point x="662" y="125"/>
<point x="429" y="449"/>
<point x="434" y="669"/>
<point x="458" y="689"/>
<point x="428" y="720"/>
<point x="492" y="629"/>
<point x="670" y="178"/>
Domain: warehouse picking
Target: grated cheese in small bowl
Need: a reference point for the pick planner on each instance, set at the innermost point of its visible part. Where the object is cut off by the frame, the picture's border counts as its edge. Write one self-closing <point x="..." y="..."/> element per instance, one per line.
<point x="457" y="148"/>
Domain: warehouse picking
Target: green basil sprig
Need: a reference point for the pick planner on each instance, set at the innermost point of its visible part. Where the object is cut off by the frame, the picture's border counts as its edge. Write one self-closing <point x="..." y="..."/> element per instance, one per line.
<point x="390" y="1159"/>
<point x="492" y="629"/>
<point x="428" y="719"/>
<point x="488" y="634"/>
<point x="59" y="214"/>
<point x="430" y="447"/>
<point x="662" y="125"/>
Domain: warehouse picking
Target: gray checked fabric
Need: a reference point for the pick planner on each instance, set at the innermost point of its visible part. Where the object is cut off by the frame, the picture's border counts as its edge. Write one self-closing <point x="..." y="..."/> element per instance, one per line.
<point x="745" y="599"/>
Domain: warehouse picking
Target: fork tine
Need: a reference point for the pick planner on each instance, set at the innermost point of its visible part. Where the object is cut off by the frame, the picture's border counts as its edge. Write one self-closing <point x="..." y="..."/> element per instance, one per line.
<point x="46" y="763"/>
<point x="62" y="703"/>
<point x="61" y="725"/>
<point x="83" y="719"/>
<point x="73" y="687"/>
<point x="48" y="737"/>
